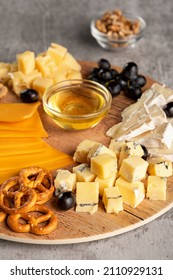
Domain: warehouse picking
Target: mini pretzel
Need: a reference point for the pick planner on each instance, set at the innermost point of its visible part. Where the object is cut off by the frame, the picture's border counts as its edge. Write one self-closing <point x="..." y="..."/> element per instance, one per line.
<point x="39" y="179"/>
<point x="39" y="225"/>
<point x="30" y="177"/>
<point x="3" y="216"/>
<point x="18" y="201"/>
<point x="15" y="225"/>
<point x="11" y="185"/>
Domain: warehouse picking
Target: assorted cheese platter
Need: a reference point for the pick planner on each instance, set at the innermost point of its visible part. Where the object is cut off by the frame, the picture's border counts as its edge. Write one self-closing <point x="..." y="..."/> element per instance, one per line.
<point x="75" y="226"/>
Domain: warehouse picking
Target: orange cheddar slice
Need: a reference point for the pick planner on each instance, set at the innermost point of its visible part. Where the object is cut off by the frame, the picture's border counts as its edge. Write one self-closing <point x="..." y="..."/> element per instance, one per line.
<point x="14" y="112"/>
<point x="18" y="150"/>
<point x="8" y="143"/>
<point x="18" y="134"/>
<point x="48" y="157"/>
<point x="31" y="124"/>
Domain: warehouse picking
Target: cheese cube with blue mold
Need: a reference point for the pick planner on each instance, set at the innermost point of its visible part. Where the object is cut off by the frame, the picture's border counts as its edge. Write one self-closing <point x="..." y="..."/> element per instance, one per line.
<point x="112" y="200"/>
<point x="156" y="188"/>
<point x="87" y="197"/>
<point x="132" y="193"/>
<point x="104" y="165"/>
<point x="133" y="169"/>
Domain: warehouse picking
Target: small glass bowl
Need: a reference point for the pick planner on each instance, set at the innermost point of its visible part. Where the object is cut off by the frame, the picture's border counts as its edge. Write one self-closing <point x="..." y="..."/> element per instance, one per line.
<point x="77" y="104"/>
<point x="119" y="44"/>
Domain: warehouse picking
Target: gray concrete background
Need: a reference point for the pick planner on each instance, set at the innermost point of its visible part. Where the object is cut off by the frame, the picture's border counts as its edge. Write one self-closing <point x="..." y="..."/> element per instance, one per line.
<point x="33" y="25"/>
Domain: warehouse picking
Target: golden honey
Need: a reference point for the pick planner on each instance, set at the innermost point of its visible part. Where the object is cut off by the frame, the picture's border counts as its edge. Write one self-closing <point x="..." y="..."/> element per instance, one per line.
<point x="77" y="107"/>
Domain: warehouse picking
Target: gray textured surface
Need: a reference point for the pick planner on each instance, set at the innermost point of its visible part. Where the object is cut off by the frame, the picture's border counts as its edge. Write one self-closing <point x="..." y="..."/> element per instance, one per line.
<point x="33" y="25"/>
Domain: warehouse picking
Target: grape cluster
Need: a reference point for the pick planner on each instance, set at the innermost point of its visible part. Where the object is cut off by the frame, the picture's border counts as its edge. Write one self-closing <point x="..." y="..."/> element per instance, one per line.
<point x="128" y="80"/>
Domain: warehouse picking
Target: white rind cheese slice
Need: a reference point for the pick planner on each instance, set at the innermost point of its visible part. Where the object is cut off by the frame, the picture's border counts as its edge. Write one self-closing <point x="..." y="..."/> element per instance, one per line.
<point x="135" y="125"/>
<point x="145" y="122"/>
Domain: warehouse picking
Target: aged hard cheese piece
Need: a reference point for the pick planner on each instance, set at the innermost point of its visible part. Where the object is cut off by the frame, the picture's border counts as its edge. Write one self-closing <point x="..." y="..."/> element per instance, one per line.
<point x="133" y="169"/>
<point x="87" y="197"/>
<point x="14" y="112"/>
<point x="133" y="193"/>
<point x="156" y="188"/>
<point x="83" y="173"/>
<point x="41" y="84"/>
<point x="57" y="52"/>
<point x="105" y="183"/>
<point x="160" y="167"/>
<point x="112" y="200"/>
<point x="130" y="149"/>
<point x="104" y="165"/>
<point x="64" y="180"/>
<point x="26" y="62"/>
<point x="82" y="150"/>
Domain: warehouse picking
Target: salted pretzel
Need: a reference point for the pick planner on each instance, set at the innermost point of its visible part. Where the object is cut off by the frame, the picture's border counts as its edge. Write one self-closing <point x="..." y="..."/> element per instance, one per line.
<point x="38" y="179"/>
<point x="34" y="222"/>
<point x="3" y="216"/>
<point x="14" y="201"/>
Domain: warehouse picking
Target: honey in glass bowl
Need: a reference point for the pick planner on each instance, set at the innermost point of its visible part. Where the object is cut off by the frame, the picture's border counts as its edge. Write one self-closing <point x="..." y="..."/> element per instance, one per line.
<point x="77" y="104"/>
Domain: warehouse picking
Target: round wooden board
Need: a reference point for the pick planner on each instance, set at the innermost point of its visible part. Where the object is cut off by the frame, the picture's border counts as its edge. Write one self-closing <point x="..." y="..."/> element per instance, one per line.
<point x="76" y="227"/>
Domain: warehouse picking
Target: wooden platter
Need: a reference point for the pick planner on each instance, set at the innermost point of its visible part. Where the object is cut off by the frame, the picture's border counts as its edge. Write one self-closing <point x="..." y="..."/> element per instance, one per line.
<point x="76" y="227"/>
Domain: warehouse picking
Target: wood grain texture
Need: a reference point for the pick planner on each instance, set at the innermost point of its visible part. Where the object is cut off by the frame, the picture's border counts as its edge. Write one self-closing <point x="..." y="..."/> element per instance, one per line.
<point x="76" y="227"/>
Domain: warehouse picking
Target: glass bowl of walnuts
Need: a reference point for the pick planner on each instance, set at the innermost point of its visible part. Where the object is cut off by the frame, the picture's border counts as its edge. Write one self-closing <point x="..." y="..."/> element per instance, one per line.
<point x="117" y="30"/>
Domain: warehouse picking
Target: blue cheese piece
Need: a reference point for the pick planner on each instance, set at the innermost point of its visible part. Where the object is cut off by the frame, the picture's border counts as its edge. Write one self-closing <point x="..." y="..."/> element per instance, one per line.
<point x="82" y="151"/>
<point x="132" y="193"/>
<point x="112" y="200"/>
<point x="64" y="180"/>
<point x="99" y="149"/>
<point x="156" y="188"/>
<point x="133" y="169"/>
<point x="104" y="165"/>
<point x="116" y="146"/>
<point x="87" y="197"/>
<point x="130" y="149"/>
<point x="105" y="183"/>
<point x="160" y="167"/>
<point x="83" y="173"/>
